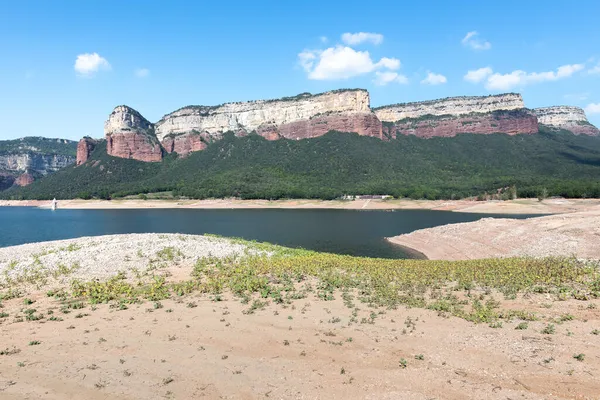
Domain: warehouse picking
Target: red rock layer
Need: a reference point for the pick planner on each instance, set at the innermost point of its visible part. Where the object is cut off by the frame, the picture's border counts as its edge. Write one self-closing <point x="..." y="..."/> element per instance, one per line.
<point x="512" y="122"/>
<point x="137" y="146"/>
<point x="24" y="179"/>
<point x="184" y="144"/>
<point x="85" y="147"/>
<point x="365" y="124"/>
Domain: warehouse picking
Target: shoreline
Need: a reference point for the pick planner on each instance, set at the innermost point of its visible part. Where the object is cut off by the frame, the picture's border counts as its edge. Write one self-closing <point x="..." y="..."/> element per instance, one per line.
<point x="563" y="235"/>
<point x="519" y="206"/>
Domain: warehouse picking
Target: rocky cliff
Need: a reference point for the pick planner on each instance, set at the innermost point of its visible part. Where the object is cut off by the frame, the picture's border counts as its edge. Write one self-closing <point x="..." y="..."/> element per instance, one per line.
<point x="42" y="164"/>
<point x="22" y="160"/>
<point x="129" y="135"/>
<point x="299" y="117"/>
<point x="453" y="106"/>
<point x="510" y="122"/>
<point x="192" y="128"/>
<point x="85" y="147"/>
<point x="566" y="117"/>
<point x="504" y="113"/>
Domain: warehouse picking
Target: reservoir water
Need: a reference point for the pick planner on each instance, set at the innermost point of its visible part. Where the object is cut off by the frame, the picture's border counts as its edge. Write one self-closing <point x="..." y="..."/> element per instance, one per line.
<point x="337" y="231"/>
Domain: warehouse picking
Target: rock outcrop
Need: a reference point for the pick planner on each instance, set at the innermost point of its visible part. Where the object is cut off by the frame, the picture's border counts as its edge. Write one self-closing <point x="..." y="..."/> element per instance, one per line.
<point x="566" y="117"/>
<point x="504" y="113"/>
<point x="513" y="122"/>
<point x="85" y="147"/>
<point x="24" y="179"/>
<point x="299" y="117"/>
<point x="129" y="135"/>
<point x="453" y="106"/>
<point x="185" y="143"/>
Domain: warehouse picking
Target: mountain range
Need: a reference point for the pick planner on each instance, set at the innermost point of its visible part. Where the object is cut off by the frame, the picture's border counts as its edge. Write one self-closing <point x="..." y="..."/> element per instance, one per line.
<point x="332" y="144"/>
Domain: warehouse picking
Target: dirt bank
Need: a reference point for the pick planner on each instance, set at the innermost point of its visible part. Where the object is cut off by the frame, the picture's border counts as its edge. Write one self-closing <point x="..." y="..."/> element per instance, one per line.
<point x="566" y="234"/>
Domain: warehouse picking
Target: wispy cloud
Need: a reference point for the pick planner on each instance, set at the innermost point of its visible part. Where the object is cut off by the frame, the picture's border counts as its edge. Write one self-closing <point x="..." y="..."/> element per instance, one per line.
<point x="386" y="77"/>
<point x="478" y="75"/>
<point x="594" y="70"/>
<point x="434" y="79"/>
<point x="520" y="78"/>
<point x="353" y="39"/>
<point x="577" y="96"/>
<point x="593" y="108"/>
<point x="89" y="63"/>
<point x="517" y="78"/>
<point x="142" y="72"/>
<point x="473" y="41"/>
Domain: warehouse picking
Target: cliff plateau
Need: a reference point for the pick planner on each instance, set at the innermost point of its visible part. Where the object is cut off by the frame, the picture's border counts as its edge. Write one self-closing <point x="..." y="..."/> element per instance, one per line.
<point x="566" y="117"/>
<point x="192" y="128"/>
<point x="504" y="113"/>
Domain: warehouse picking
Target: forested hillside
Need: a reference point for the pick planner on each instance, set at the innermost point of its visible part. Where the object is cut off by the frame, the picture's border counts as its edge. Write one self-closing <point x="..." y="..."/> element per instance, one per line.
<point x="556" y="163"/>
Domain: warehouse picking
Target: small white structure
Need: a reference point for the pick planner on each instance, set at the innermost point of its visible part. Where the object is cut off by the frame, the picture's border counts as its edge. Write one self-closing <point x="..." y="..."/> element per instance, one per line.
<point x="53" y="205"/>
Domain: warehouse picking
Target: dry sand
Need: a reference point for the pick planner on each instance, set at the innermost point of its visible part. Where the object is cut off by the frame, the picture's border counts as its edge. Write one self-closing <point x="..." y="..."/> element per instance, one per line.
<point x="521" y="206"/>
<point x="195" y="347"/>
<point x="216" y="351"/>
<point x="569" y="234"/>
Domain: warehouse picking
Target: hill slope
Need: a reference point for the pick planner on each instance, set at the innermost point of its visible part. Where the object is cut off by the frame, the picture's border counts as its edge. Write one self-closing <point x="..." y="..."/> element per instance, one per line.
<point x="343" y="163"/>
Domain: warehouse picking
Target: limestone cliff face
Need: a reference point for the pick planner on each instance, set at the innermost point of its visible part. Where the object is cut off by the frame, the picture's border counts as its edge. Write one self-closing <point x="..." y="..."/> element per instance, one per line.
<point x="302" y="116"/>
<point x="566" y="117"/>
<point x="42" y="164"/>
<point x="85" y="147"/>
<point x="504" y="113"/>
<point x="129" y="135"/>
<point x="25" y="159"/>
<point x="453" y="106"/>
<point x="512" y="122"/>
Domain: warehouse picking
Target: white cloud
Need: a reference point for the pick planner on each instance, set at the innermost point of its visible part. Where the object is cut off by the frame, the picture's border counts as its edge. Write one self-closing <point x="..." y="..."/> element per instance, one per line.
<point x="142" y="72"/>
<point x="594" y="70"/>
<point x="323" y="39"/>
<point x="341" y="62"/>
<point x="383" y="78"/>
<point x="519" y="78"/>
<point x="361" y="37"/>
<point x="478" y="75"/>
<point x="89" y="63"/>
<point x="473" y="41"/>
<point x="434" y="79"/>
<point x="389" y="63"/>
<point x="593" y="108"/>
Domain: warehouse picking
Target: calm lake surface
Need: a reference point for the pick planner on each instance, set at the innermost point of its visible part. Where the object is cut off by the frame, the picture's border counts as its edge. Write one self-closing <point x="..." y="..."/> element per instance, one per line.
<point x="336" y="231"/>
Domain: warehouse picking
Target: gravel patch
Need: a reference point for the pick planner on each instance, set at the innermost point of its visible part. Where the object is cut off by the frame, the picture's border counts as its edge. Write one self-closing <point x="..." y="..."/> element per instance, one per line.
<point x="102" y="257"/>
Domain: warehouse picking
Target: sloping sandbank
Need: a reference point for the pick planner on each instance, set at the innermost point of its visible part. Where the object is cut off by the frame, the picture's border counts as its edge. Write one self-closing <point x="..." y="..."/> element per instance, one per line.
<point x="569" y="234"/>
<point x="520" y="206"/>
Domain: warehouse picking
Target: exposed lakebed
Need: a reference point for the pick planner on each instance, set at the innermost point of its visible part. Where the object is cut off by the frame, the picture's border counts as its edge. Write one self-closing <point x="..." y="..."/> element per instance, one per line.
<point x="354" y="232"/>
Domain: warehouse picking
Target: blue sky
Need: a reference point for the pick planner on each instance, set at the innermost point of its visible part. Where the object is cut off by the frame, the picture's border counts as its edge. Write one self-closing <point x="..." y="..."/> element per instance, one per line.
<point x="66" y="64"/>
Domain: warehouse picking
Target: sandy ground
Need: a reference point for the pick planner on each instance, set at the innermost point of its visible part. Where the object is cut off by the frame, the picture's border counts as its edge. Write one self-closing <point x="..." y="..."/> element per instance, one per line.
<point x="566" y="234"/>
<point x="198" y="348"/>
<point x="521" y="206"/>
<point x="201" y="347"/>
